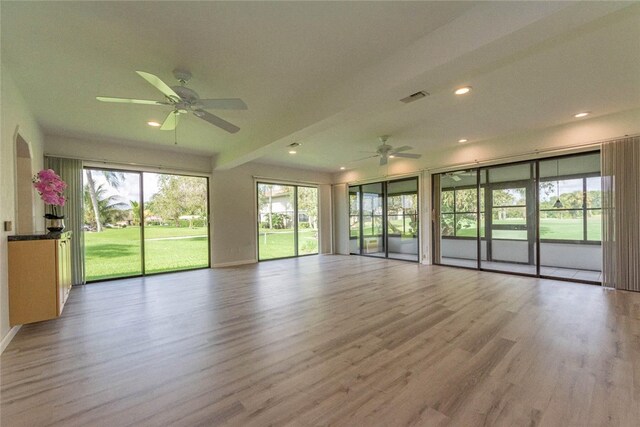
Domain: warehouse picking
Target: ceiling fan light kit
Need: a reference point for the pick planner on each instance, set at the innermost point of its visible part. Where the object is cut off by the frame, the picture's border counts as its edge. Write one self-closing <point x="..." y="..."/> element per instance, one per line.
<point x="184" y="100"/>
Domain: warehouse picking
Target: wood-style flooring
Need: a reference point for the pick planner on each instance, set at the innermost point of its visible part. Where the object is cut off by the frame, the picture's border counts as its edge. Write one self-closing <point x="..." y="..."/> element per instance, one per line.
<point x="329" y="340"/>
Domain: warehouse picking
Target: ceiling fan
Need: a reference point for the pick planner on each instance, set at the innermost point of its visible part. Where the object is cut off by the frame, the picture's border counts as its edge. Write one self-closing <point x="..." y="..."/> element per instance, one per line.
<point x="184" y="100"/>
<point x="456" y="176"/>
<point x="386" y="151"/>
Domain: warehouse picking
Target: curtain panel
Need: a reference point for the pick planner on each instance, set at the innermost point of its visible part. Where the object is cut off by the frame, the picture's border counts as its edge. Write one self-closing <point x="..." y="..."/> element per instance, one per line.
<point x="70" y="170"/>
<point x="435" y="219"/>
<point x="621" y="214"/>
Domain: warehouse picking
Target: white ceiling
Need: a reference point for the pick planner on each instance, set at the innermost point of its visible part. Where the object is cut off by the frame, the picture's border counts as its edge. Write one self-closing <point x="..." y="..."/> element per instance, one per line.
<point x="327" y="74"/>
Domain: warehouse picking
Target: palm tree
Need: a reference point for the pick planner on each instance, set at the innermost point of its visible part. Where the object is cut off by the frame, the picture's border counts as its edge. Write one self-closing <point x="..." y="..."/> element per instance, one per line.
<point x="108" y="206"/>
<point x="113" y="178"/>
<point x="135" y="210"/>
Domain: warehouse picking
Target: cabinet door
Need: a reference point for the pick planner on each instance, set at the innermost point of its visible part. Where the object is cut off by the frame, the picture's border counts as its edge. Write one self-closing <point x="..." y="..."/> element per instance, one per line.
<point x="64" y="272"/>
<point x="33" y="293"/>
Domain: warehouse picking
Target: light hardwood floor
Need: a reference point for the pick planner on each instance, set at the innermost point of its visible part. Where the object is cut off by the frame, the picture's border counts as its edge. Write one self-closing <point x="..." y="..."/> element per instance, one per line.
<point x="337" y="340"/>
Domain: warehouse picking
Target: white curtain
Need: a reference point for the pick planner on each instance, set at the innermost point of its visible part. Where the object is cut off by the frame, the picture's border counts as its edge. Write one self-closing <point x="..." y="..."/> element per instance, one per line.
<point x="621" y="214"/>
<point x="70" y="170"/>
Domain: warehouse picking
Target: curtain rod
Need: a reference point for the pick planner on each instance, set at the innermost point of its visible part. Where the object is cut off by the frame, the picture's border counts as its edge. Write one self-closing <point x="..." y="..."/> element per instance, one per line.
<point x="454" y="166"/>
<point x="131" y="164"/>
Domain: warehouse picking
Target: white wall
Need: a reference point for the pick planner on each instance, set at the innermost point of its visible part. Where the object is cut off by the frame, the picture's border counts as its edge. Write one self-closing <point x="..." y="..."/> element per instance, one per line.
<point x="15" y="118"/>
<point x="341" y="219"/>
<point x="115" y="152"/>
<point x="234" y="209"/>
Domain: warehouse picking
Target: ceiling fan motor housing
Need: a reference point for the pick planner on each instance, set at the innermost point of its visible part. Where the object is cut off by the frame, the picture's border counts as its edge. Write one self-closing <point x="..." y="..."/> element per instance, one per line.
<point x="187" y="95"/>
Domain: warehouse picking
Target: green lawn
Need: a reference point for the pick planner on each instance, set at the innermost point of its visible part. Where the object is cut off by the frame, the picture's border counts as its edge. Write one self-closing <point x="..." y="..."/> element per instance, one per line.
<point x="550" y="228"/>
<point x="281" y="243"/>
<point x="116" y="252"/>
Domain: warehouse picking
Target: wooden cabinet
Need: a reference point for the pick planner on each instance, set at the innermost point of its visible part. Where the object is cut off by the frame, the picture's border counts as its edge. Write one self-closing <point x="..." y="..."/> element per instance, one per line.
<point x="39" y="278"/>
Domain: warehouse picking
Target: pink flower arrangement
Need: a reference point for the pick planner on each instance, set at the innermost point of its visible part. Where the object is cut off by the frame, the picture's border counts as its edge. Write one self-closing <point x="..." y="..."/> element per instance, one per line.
<point x="50" y="187"/>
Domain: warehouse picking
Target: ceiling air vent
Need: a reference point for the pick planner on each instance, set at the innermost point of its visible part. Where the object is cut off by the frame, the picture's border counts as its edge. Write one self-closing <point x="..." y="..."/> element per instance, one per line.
<point x="415" y="96"/>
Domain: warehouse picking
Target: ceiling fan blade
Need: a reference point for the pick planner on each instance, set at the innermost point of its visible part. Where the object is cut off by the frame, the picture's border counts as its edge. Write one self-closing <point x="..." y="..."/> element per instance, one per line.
<point x="403" y="148"/>
<point x="364" y="158"/>
<point x="408" y="155"/>
<point x="456" y="178"/>
<point x="130" y="101"/>
<point x="216" y="121"/>
<point x="171" y="121"/>
<point x="383" y="160"/>
<point x="160" y="85"/>
<point x="222" y="104"/>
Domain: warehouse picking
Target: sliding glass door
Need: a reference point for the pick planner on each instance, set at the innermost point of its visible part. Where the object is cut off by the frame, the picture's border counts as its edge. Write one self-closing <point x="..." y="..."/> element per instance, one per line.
<point x="287" y="221"/>
<point x="570" y="218"/>
<point x="458" y="212"/>
<point x="176" y="232"/>
<point x="402" y="219"/>
<point x="307" y="216"/>
<point x="539" y="218"/>
<point x="384" y="219"/>
<point x="373" y="241"/>
<point x="140" y="223"/>
<point x="510" y="218"/>
<point x="113" y="237"/>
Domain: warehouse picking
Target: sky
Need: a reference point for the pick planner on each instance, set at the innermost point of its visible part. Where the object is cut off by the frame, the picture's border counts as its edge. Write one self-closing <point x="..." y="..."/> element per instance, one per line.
<point x="130" y="188"/>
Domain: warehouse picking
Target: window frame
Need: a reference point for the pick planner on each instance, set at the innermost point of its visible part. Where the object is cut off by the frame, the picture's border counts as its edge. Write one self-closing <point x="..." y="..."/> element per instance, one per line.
<point x="295" y="216"/>
<point x="584" y="209"/>
<point x="583" y="176"/>
<point x="455" y="213"/>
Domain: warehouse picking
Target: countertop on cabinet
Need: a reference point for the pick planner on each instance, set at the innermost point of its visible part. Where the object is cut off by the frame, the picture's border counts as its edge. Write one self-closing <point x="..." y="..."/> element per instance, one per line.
<point x="40" y="236"/>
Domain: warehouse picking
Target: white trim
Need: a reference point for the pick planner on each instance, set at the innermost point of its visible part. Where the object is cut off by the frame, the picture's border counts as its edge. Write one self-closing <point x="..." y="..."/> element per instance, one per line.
<point x="235" y="263"/>
<point x="7" y="338"/>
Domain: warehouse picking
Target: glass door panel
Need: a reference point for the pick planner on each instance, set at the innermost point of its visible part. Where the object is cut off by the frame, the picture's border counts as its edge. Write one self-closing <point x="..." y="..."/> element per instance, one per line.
<point x="112" y="234"/>
<point x="276" y="228"/>
<point x="459" y="218"/>
<point x="402" y="219"/>
<point x="510" y="220"/>
<point x="307" y="220"/>
<point x="373" y="241"/>
<point x="354" y="220"/>
<point x="570" y="217"/>
<point x="176" y="232"/>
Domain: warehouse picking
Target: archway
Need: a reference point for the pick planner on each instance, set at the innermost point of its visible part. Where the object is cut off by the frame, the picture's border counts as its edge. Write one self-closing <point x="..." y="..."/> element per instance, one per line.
<point x="24" y="188"/>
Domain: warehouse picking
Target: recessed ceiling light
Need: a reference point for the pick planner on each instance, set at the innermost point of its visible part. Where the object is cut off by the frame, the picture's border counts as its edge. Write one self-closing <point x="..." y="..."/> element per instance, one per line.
<point x="391" y="156"/>
<point x="462" y="90"/>
<point x="154" y="124"/>
<point x="292" y="151"/>
<point x="462" y="141"/>
<point x="583" y="114"/>
<point x="342" y="168"/>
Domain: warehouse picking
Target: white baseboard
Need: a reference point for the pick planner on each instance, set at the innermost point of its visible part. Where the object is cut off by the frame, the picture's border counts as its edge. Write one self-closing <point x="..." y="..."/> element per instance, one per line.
<point x="7" y="338"/>
<point x="234" y="263"/>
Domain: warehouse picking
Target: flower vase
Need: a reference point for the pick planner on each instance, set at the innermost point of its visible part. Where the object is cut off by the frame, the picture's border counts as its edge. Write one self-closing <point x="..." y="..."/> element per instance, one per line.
<point x="54" y="223"/>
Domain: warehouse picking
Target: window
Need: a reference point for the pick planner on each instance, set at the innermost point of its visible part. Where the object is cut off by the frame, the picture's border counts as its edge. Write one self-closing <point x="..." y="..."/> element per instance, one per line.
<point x="459" y="205"/>
<point x="570" y="209"/>
<point x="509" y="213"/>
<point x="287" y="221"/>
